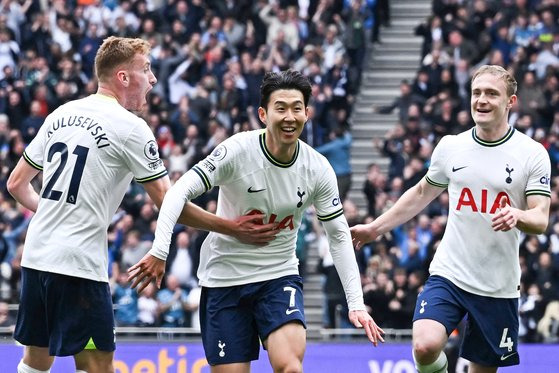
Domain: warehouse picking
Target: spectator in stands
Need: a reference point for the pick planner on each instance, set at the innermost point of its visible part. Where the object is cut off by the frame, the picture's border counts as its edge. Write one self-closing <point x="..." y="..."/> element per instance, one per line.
<point x="353" y="20"/>
<point x="275" y="18"/>
<point x="432" y="33"/>
<point x="337" y="151"/>
<point x="148" y="312"/>
<point x="393" y="148"/>
<point x="173" y="306"/>
<point x="332" y="48"/>
<point x="546" y="58"/>
<point x="530" y="310"/>
<point x="31" y="124"/>
<point x="548" y="326"/>
<point x="133" y="249"/>
<point x="402" y="301"/>
<point x="125" y="300"/>
<point x="422" y="85"/>
<point x="374" y="185"/>
<point x="461" y="48"/>
<point x="314" y="131"/>
<point x="9" y="51"/>
<point x="180" y="262"/>
<point x="193" y="305"/>
<point x="402" y="102"/>
<point x="531" y="100"/>
<point x="378" y="293"/>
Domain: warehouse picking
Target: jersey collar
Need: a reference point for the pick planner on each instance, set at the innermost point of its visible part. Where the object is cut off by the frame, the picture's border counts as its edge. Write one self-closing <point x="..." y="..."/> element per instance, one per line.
<point x="271" y="158"/>
<point x="502" y="140"/>
<point x="105" y="97"/>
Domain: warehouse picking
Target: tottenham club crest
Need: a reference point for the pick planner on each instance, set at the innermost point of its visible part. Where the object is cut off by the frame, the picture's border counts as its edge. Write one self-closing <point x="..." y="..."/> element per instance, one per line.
<point x="219" y="153"/>
<point x="150" y="150"/>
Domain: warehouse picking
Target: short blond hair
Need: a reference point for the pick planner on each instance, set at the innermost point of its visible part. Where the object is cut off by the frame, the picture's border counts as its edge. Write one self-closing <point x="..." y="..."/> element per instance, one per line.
<point x="116" y="52"/>
<point x="500" y="72"/>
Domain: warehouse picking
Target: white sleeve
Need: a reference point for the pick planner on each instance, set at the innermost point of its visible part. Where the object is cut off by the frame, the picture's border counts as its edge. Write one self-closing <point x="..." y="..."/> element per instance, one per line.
<point x="539" y="173"/>
<point x="436" y="174"/>
<point x="202" y="177"/>
<point x="189" y="186"/>
<point x="141" y="154"/>
<point x="343" y="255"/>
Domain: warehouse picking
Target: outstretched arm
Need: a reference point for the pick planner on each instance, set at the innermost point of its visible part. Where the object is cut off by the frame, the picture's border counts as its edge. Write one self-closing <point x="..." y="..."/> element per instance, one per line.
<point x="408" y="205"/>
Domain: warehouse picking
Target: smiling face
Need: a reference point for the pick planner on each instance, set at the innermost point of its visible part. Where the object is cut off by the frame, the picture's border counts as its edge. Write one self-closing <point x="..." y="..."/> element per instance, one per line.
<point x="490" y="103"/>
<point x="285" y="117"/>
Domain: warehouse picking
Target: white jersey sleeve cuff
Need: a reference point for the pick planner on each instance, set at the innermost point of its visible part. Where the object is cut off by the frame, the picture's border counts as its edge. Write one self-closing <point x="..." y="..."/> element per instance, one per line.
<point x="341" y="249"/>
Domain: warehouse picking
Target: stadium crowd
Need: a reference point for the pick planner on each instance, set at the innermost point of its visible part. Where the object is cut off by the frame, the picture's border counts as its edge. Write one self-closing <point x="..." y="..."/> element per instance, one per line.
<point x="209" y="58"/>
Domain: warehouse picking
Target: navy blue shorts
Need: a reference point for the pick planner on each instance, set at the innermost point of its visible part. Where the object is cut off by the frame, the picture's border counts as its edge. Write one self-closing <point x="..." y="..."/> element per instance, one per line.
<point x="233" y="319"/>
<point x="64" y="313"/>
<point x="491" y="336"/>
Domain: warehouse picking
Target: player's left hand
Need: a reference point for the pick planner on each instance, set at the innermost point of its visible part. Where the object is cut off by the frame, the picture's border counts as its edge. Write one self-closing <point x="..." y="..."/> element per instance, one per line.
<point x="362" y="319"/>
<point x="148" y="269"/>
<point x="505" y="218"/>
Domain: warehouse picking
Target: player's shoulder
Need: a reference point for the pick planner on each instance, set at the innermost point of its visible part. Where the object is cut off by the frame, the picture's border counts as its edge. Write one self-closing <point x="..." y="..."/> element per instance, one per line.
<point x="309" y="151"/>
<point x="524" y="140"/>
<point x="449" y="141"/>
<point x="240" y="144"/>
<point x="311" y="157"/>
<point x="246" y="137"/>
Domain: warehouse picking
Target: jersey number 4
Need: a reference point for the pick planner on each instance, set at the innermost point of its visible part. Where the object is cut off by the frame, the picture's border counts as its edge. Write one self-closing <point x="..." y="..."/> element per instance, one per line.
<point x="506" y="341"/>
<point x="81" y="153"/>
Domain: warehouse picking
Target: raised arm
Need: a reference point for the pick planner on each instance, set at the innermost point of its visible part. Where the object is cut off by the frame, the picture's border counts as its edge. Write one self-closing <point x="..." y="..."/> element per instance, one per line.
<point x="408" y="205"/>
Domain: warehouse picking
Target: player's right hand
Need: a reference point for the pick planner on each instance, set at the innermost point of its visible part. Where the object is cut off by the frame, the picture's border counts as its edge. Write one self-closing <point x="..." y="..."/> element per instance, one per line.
<point x="249" y="229"/>
<point x="362" y="234"/>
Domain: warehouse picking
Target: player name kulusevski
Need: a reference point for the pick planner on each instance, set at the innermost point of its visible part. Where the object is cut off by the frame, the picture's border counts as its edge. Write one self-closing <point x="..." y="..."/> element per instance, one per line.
<point x="79" y="121"/>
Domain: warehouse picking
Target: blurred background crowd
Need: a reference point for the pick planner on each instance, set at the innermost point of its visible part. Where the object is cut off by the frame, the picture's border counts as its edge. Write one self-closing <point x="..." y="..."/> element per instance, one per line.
<point x="209" y="58"/>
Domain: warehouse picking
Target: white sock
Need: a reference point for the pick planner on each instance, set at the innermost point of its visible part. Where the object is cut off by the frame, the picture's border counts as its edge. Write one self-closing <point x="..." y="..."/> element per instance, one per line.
<point x="440" y="365"/>
<point x="81" y="371"/>
<point x="24" y="368"/>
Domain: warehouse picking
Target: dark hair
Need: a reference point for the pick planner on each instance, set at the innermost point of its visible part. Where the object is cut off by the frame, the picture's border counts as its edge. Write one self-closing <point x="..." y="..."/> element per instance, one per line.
<point x="289" y="79"/>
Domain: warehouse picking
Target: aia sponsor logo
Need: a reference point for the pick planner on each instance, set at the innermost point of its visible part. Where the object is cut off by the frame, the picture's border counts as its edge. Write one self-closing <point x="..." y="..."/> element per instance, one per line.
<point x="480" y="202"/>
<point x="284" y="223"/>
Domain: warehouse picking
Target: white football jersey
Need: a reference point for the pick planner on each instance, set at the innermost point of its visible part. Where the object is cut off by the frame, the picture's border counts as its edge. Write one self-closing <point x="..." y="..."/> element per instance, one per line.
<point x="251" y="181"/>
<point x="89" y="150"/>
<point x="478" y="174"/>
